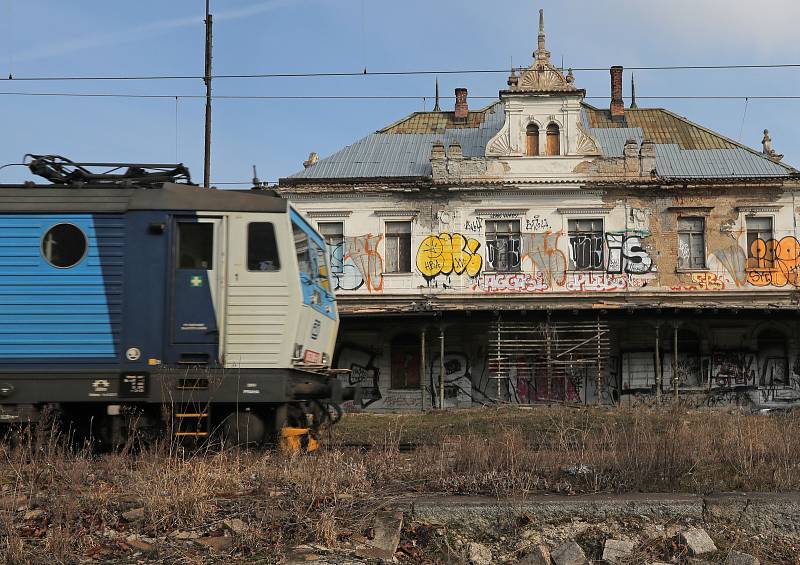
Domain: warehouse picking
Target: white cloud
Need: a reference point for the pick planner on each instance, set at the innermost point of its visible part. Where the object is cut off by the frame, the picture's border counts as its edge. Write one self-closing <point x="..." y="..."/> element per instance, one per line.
<point x="137" y="33"/>
<point x="764" y="28"/>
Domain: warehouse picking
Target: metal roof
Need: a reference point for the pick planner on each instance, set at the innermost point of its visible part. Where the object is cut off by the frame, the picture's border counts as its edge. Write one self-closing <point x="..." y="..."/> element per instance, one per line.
<point x="683" y="148"/>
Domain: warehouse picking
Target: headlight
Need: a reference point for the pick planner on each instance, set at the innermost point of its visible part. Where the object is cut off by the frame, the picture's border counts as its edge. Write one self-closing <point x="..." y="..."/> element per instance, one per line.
<point x="298" y="351"/>
<point x="324" y="358"/>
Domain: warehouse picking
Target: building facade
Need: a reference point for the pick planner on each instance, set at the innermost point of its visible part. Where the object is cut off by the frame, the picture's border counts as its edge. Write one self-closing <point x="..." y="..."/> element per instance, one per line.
<point x="541" y="249"/>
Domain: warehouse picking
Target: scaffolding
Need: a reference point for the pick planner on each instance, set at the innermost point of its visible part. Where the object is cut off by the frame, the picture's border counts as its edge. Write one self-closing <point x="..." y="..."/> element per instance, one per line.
<point x="548" y="361"/>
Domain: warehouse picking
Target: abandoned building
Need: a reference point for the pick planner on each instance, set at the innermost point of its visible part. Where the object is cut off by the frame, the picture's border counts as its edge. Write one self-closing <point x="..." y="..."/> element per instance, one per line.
<point x="542" y="250"/>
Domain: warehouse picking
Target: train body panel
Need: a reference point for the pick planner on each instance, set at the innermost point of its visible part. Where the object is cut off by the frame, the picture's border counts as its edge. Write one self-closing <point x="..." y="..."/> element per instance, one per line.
<point x="153" y="295"/>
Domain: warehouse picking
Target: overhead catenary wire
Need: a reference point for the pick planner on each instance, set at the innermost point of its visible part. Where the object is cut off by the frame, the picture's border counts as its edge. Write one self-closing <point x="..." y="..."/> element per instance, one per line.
<point x="367" y="72"/>
<point x="367" y="97"/>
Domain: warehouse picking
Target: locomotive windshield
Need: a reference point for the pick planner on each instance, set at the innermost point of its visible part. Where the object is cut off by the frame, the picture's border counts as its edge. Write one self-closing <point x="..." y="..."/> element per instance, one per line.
<point x="312" y="262"/>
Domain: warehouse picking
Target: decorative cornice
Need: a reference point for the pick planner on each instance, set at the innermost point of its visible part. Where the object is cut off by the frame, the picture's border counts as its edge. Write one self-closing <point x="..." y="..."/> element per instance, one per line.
<point x="584" y="211"/>
<point x="758" y="209"/>
<point x="340" y="196"/>
<point x="396" y="212"/>
<point x="328" y="213"/>
<point x="697" y="210"/>
<point x="501" y="211"/>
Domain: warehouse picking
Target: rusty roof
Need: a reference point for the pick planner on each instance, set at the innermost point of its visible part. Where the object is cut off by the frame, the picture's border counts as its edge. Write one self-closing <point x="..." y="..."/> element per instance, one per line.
<point x="660" y="126"/>
<point x="437" y="122"/>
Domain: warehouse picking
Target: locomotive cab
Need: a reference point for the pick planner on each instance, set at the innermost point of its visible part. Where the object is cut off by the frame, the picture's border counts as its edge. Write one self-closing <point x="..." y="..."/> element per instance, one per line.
<point x="122" y="294"/>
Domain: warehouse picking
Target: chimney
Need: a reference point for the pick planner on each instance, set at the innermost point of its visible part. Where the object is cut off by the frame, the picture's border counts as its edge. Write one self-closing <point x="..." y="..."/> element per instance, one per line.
<point x="462" y="109"/>
<point x="617" y="104"/>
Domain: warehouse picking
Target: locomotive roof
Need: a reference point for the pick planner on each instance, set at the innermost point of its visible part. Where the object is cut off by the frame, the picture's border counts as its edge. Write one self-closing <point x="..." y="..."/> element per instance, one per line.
<point x="169" y="196"/>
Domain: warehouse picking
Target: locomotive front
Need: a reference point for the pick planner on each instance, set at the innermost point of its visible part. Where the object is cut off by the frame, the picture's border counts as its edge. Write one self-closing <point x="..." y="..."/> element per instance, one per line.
<point x="125" y="292"/>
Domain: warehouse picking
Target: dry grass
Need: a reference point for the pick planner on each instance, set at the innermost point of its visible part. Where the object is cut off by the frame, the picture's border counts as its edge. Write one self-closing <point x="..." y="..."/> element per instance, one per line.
<point x="332" y="495"/>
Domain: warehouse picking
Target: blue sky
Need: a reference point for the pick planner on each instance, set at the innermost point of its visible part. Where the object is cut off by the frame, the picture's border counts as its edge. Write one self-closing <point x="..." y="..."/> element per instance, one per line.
<point x="148" y="37"/>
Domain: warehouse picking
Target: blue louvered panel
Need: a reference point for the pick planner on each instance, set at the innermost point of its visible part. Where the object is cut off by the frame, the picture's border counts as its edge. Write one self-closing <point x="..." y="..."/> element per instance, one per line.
<point x="73" y="314"/>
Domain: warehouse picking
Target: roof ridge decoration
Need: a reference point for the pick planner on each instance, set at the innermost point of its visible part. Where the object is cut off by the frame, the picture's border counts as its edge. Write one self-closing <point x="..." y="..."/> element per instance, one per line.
<point x="542" y="75"/>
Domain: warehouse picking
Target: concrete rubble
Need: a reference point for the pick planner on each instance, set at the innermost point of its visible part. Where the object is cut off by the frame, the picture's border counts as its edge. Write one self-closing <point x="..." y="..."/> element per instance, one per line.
<point x="739" y="558"/>
<point x="479" y="554"/>
<point x="569" y="553"/>
<point x="697" y="541"/>
<point x="615" y="551"/>
<point x="540" y="555"/>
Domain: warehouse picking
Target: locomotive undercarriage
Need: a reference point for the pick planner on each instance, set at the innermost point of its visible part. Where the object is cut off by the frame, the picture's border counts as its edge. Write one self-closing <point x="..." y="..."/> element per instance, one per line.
<point x="256" y="408"/>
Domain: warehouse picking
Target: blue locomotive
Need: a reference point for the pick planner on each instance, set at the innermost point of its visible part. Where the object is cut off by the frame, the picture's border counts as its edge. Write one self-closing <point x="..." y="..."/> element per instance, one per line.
<point x="132" y="298"/>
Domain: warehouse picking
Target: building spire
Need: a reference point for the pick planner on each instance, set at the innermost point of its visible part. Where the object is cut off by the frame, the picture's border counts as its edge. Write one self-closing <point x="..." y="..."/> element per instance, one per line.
<point x="541" y="53"/>
<point x="436" y="107"/>
<point x="633" y="93"/>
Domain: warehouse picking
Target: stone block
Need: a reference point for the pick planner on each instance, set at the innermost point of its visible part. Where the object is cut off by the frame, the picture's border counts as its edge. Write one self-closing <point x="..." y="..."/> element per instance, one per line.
<point x="540" y="555"/>
<point x="697" y="541"/>
<point x="616" y="550"/>
<point x="479" y="554"/>
<point x="569" y="553"/>
<point x="739" y="558"/>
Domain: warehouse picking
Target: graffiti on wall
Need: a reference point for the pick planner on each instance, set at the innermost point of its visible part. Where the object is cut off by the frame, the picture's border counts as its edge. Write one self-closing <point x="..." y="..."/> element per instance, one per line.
<point x="540" y="253"/>
<point x="782" y="258"/>
<point x="704" y="281"/>
<point x="599" y="281"/>
<point x="734" y="261"/>
<point x="447" y="254"/>
<point x="511" y="282"/>
<point x="364" y="373"/>
<point x="457" y="379"/>
<point x="731" y="368"/>
<point x="627" y="254"/>
<point x="356" y="263"/>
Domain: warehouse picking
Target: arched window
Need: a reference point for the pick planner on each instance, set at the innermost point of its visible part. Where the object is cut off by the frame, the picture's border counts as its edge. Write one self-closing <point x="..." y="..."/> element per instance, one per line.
<point x="553" y="144"/>
<point x="532" y="140"/>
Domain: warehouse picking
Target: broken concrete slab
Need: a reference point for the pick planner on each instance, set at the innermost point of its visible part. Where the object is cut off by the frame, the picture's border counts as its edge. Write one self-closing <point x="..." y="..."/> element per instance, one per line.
<point x="235" y="525"/>
<point x="697" y="541"/>
<point x="142" y="546"/>
<point x="479" y="554"/>
<point x="616" y="550"/>
<point x="569" y="553"/>
<point x="386" y="536"/>
<point x="540" y="555"/>
<point x="739" y="558"/>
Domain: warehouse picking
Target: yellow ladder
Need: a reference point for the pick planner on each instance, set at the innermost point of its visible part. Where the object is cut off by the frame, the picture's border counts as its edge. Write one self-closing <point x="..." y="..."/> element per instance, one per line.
<point x="196" y="421"/>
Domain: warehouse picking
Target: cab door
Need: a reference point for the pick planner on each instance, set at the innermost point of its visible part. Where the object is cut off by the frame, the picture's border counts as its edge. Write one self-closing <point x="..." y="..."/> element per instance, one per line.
<point x="258" y="293"/>
<point x="197" y="280"/>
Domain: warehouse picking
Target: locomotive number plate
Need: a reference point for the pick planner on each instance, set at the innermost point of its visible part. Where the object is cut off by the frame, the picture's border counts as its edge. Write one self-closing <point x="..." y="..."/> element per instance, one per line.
<point x="133" y="385"/>
<point x="312" y="356"/>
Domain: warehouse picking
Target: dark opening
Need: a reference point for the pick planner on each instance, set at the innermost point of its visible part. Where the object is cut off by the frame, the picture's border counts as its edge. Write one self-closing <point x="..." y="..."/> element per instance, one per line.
<point x="195" y="245"/>
<point x="262" y="249"/>
<point x="64" y="245"/>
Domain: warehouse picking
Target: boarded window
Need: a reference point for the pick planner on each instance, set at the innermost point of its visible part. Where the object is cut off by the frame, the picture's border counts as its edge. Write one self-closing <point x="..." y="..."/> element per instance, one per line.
<point x="553" y="140"/>
<point x="262" y="249"/>
<point x="691" y="243"/>
<point x="772" y="354"/>
<point x="405" y="362"/>
<point x="333" y="232"/>
<point x="398" y="247"/>
<point x="503" y="244"/>
<point x="760" y="244"/>
<point x="195" y="245"/>
<point x="532" y="140"/>
<point x="585" y="244"/>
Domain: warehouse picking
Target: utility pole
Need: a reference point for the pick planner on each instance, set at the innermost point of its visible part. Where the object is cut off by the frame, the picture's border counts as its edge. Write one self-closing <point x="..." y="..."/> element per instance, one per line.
<point x="207" y="80"/>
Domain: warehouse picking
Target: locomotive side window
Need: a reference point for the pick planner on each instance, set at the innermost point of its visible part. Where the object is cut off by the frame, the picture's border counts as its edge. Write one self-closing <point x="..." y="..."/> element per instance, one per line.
<point x="262" y="249"/>
<point x="64" y="246"/>
<point x="195" y="245"/>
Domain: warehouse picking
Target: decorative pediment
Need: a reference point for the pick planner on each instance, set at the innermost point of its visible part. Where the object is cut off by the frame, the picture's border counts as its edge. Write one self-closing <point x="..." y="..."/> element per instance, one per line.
<point x="500" y="144"/>
<point x="587" y="145"/>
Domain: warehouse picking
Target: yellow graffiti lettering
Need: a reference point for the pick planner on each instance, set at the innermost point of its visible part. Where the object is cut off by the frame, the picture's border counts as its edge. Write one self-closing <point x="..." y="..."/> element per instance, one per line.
<point x="446" y="253"/>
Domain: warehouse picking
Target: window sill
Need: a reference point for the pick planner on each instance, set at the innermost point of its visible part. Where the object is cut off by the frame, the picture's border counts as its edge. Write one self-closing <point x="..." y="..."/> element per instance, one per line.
<point x="695" y="270"/>
<point x="404" y="274"/>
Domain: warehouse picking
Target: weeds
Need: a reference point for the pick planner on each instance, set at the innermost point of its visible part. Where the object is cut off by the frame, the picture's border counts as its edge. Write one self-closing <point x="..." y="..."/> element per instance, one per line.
<point x="325" y="497"/>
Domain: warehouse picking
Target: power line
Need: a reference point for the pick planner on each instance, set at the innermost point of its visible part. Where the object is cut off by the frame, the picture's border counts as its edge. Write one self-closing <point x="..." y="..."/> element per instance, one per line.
<point x="367" y="72"/>
<point x="364" y="97"/>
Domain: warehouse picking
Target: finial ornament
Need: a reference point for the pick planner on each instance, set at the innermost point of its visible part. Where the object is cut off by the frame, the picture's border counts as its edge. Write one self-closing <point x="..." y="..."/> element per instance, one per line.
<point x="633" y="93"/>
<point x="436" y="107"/>
<point x="768" y="150"/>
<point x="541" y="53"/>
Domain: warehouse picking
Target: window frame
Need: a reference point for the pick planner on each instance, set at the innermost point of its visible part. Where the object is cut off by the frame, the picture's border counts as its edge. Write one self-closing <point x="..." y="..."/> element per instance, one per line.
<point x="179" y="247"/>
<point x="751" y="261"/>
<point x="556" y="136"/>
<point x="337" y="267"/>
<point x="277" y="250"/>
<point x="690" y="233"/>
<point x="573" y="264"/>
<point x="532" y="134"/>
<point x="507" y="236"/>
<point x="397" y="236"/>
<point x="86" y="245"/>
